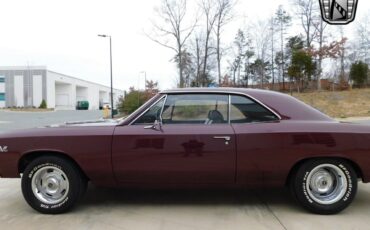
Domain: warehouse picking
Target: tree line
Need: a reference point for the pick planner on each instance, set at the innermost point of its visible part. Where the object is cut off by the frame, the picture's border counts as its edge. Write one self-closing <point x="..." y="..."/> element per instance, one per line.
<point x="263" y="53"/>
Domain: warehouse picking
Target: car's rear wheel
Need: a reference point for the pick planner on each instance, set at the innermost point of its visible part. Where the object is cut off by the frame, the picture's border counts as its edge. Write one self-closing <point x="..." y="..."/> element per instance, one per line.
<point x="52" y="184"/>
<point x="324" y="186"/>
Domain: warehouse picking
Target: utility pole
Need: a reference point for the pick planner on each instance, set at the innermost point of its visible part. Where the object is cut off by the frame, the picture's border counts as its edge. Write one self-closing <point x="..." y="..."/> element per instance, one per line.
<point x="111" y="71"/>
<point x="272" y="53"/>
<point x="144" y="72"/>
<point x="282" y="52"/>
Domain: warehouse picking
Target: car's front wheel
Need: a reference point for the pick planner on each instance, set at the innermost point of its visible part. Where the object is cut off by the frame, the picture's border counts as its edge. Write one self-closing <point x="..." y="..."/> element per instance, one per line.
<point x="324" y="186"/>
<point x="52" y="184"/>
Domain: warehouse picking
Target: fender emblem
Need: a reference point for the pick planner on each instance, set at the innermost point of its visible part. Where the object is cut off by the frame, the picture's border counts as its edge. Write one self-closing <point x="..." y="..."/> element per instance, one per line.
<point x="3" y="149"/>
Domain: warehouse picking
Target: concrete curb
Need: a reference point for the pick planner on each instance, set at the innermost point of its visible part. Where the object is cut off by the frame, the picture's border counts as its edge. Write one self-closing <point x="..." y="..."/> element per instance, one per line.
<point x="353" y="119"/>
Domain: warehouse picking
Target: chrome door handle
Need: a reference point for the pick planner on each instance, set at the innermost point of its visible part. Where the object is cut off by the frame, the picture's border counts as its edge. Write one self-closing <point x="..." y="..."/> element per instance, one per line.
<point x="226" y="138"/>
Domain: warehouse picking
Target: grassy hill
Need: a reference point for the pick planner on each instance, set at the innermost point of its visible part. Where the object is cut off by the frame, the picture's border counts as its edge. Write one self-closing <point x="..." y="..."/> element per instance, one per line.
<point x="341" y="104"/>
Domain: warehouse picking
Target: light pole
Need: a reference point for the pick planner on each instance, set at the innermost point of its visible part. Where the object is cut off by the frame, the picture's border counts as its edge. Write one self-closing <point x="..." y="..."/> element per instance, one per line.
<point x="138" y="87"/>
<point x="144" y="72"/>
<point x="111" y="74"/>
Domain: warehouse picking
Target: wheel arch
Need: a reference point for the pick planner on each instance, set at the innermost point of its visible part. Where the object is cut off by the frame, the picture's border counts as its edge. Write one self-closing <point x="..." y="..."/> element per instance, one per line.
<point x="30" y="156"/>
<point x="296" y="166"/>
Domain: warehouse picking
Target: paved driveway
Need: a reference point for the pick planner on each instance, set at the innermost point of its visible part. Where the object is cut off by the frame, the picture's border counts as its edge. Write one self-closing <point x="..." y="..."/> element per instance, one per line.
<point x="367" y="122"/>
<point x="169" y="209"/>
<point x="177" y="210"/>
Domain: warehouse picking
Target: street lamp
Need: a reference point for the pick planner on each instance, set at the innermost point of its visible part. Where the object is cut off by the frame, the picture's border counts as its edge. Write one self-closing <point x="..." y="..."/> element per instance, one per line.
<point x="138" y="86"/>
<point x="144" y="72"/>
<point x="111" y="74"/>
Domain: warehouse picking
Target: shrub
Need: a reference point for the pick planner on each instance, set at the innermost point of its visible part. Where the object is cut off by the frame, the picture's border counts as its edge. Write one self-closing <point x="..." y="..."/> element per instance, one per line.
<point x="359" y="73"/>
<point x="43" y="105"/>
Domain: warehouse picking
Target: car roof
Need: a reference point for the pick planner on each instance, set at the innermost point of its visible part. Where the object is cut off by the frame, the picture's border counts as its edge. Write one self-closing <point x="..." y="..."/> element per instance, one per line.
<point x="286" y="106"/>
<point x="215" y="90"/>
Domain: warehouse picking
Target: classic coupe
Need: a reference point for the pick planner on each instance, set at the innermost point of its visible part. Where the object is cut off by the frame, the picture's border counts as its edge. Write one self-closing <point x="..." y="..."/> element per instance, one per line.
<point x="197" y="138"/>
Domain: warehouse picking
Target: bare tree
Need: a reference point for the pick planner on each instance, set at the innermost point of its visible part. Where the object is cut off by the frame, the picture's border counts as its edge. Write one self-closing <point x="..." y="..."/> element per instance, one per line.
<point x="173" y="30"/>
<point x="334" y="50"/>
<point x="240" y="44"/>
<point x="242" y="53"/>
<point x="320" y="27"/>
<point x="307" y="11"/>
<point x="247" y="66"/>
<point x="342" y="54"/>
<point x="186" y="66"/>
<point x="259" y="69"/>
<point x="224" y="10"/>
<point x="151" y="88"/>
<point x="197" y="53"/>
<point x="261" y="38"/>
<point x="363" y="39"/>
<point x="210" y="16"/>
<point x="282" y="19"/>
<point x="233" y="67"/>
<point x="198" y="58"/>
<point x="261" y="41"/>
<point x="272" y="29"/>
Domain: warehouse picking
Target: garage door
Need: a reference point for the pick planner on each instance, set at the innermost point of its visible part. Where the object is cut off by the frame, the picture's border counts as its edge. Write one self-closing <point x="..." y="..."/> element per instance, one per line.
<point x="62" y="100"/>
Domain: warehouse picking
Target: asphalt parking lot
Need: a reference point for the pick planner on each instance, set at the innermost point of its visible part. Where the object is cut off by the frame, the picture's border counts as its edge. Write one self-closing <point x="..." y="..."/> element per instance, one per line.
<point x="20" y="120"/>
<point x="168" y="209"/>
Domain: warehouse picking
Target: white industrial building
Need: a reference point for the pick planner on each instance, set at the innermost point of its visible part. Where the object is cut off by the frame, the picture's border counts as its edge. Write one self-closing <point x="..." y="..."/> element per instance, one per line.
<point x="27" y="86"/>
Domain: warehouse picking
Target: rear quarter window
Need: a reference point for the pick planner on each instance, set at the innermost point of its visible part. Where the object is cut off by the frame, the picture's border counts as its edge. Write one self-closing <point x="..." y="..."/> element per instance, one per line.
<point x="246" y="110"/>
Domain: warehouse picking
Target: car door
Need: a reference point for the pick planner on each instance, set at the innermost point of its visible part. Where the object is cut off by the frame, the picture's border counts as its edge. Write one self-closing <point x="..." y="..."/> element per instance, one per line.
<point x="194" y="143"/>
<point x="260" y="151"/>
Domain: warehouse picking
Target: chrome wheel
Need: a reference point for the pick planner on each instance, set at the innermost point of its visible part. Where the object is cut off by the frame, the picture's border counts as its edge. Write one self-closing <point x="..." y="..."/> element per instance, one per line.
<point x="326" y="184"/>
<point x="50" y="185"/>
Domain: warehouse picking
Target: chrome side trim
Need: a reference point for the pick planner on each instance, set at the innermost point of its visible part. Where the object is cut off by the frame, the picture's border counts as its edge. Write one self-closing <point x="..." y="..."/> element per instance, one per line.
<point x="150" y="108"/>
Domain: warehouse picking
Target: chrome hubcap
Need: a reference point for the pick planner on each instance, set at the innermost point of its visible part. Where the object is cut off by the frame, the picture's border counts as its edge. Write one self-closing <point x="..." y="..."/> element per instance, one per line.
<point x="326" y="184"/>
<point x="50" y="185"/>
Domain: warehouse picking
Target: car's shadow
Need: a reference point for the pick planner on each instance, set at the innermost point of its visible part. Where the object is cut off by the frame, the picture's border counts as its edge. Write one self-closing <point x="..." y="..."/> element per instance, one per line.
<point x="102" y="197"/>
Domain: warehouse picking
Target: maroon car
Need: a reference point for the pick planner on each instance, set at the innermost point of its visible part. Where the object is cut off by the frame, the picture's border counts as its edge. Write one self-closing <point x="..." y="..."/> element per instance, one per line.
<point x="195" y="138"/>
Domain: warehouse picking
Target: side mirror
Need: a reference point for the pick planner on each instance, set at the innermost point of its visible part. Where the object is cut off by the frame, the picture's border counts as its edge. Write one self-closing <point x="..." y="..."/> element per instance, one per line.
<point x="157" y="125"/>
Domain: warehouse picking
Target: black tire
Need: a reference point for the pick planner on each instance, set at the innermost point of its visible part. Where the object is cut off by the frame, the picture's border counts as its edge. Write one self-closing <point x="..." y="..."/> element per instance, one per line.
<point x="341" y="193"/>
<point x="83" y="187"/>
<point x="47" y="172"/>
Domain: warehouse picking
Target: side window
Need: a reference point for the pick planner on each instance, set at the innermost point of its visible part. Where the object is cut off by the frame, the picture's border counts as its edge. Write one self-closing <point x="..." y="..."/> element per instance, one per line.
<point x="245" y="110"/>
<point x="152" y="114"/>
<point x="196" y="109"/>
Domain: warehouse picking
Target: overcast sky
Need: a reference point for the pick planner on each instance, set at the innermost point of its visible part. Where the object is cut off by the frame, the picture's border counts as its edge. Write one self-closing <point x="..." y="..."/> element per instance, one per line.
<point x="62" y="35"/>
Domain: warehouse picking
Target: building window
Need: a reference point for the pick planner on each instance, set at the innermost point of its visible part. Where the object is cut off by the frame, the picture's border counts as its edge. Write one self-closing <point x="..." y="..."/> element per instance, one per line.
<point x="2" y="79"/>
<point x="2" y="96"/>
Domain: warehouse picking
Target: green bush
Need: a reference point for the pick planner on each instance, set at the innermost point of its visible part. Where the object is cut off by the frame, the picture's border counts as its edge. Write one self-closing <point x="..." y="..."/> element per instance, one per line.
<point x="43" y="105"/>
<point x="359" y="73"/>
